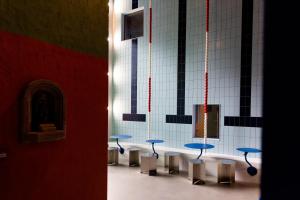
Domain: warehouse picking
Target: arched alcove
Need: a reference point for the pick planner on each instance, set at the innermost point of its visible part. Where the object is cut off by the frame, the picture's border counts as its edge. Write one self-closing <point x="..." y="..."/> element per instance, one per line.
<point x="43" y="112"/>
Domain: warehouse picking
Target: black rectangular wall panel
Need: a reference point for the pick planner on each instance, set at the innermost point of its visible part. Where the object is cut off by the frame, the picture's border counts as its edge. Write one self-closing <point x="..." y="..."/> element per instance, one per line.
<point x="246" y="58"/>
<point x="133" y="116"/>
<point x="134" y="76"/>
<point x="180" y="117"/>
<point x="135" y="4"/>
<point x="245" y="118"/>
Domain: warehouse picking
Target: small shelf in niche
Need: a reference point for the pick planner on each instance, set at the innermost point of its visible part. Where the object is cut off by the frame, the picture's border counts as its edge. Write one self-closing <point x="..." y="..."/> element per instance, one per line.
<point x="133" y="24"/>
<point x="43" y="113"/>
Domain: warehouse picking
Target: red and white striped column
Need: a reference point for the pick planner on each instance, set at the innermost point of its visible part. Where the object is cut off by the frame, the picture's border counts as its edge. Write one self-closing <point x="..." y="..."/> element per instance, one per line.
<point x="206" y="72"/>
<point x="149" y="68"/>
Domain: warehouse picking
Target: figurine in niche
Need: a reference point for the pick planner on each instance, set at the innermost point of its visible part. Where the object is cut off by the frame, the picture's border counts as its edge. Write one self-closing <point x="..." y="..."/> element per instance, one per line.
<point x="43" y="112"/>
<point x="43" y="109"/>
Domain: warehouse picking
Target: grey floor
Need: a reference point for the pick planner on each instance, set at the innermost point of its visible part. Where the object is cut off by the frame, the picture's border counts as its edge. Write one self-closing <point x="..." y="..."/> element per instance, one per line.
<point x="127" y="183"/>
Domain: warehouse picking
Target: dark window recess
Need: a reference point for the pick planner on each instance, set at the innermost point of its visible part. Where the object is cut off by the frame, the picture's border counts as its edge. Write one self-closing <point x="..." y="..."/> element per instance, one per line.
<point x="133" y="25"/>
<point x="212" y="121"/>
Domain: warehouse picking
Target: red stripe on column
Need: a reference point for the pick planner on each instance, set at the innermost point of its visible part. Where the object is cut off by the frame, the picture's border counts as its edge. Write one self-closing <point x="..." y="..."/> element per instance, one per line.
<point x="206" y="92"/>
<point x="150" y="26"/>
<point x="149" y="96"/>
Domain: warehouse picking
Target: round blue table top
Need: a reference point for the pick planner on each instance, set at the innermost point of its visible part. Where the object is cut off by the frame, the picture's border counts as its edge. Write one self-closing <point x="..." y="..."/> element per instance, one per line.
<point x="199" y="146"/>
<point x="120" y="136"/>
<point x="154" y="141"/>
<point x="249" y="150"/>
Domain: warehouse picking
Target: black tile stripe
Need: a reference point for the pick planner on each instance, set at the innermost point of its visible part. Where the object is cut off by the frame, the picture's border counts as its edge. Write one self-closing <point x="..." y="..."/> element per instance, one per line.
<point x="134" y="76"/>
<point x="133" y="116"/>
<point x="245" y="119"/>
<point x="246" y="58"/>
<point x="135" y="4"/>
<point x="180" y="117"/>
<point x="181" y="57"/>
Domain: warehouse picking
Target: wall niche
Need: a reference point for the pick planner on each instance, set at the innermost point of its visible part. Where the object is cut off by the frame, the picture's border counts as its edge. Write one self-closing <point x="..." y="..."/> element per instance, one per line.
<point x="43" y="112"/>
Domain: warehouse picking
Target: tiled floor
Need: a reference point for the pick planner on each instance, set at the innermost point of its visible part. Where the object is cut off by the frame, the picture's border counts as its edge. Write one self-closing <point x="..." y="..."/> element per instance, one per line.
<point x="129" y="184"/>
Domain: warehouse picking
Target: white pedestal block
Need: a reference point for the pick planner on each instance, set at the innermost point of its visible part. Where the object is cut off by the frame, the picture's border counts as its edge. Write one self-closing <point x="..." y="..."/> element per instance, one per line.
<point x="148" y="164"/>
<point x="226" y="171"/>
<point x="172" y="162"/>
<point x="113" y="156"/>
<point x="197" y="171"/>
<point x="133" y="157"/>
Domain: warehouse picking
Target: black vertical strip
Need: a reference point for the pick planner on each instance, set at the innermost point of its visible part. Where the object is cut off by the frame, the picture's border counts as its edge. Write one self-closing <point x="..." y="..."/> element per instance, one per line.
<point x="281" y="115"/>
<point x="133" y="116"/>
<point x="134" y="76"/>
<point x="245" y="119"/>
<point x="135" y="4"/>
<point x="246" y="58"/>
<point x="181" y="58"/>
<point x="180" y="117"/>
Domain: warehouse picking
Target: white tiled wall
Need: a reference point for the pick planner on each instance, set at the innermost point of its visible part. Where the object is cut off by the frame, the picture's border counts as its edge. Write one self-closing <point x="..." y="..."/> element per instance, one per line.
<point x="224" y="72"/>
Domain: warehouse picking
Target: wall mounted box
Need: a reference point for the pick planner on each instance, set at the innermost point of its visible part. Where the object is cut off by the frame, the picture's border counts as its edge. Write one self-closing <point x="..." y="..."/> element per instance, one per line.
<point x="133" y="24"/>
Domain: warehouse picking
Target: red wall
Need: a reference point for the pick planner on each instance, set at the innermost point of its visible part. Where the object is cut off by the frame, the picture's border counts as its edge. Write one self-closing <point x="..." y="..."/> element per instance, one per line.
<point x="72" y="169"/>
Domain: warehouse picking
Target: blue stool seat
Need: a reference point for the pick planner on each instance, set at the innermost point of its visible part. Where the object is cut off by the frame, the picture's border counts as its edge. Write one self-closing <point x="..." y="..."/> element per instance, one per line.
<point x="252" y="171"/>
<point x="154" y="141"/>
<point x="120" y="136"/>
